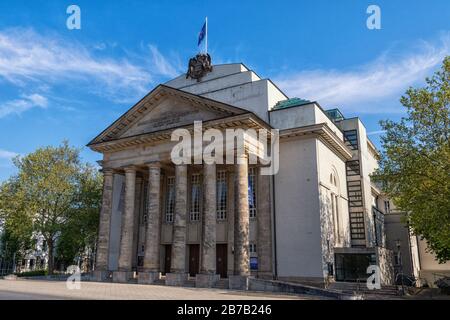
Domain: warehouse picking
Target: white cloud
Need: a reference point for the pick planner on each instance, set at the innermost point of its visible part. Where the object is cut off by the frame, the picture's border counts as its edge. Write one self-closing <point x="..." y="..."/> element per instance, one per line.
<point x="160" y="65"/>
<point x="376" y="132"/>
<point x="372" y="88"/>
<point x="31" y="59"/>
<point x="5" y="154"/>
<point x="23" y="104"/>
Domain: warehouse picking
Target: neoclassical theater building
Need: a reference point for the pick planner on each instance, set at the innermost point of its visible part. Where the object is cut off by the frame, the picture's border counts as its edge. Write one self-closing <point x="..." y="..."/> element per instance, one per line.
<point x="318" y="219"/>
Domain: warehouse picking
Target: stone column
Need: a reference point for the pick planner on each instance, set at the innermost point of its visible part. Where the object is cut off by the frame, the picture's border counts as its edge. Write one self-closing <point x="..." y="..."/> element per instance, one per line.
<point x="126" y="241"/>
<point x="152" y="236"/>
<point x="241" y="229"/>
<point x="137" y="214"/>
<point x="178" y="274"/>
<point x="264" y="224"/>
<point x="208" y="276"/>
<point x="101" y="264"/>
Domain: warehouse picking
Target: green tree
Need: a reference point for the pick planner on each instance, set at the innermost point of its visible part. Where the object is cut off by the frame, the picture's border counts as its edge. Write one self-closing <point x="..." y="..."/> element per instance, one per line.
<point x="415" y="163"/>
<point x="16" y="224"/>
<point x="80" y="233"/>
<point x="48" y="194"/>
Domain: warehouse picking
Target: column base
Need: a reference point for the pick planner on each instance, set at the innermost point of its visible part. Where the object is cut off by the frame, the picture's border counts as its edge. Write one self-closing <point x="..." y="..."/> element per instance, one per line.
<point x="148" y="277"/>
<point x="206" y="280"/>
<point x="238" y="282"/>
<point x="99" y="275"/>
<point x="122" y="276"/>
<point x="176" y="279"/>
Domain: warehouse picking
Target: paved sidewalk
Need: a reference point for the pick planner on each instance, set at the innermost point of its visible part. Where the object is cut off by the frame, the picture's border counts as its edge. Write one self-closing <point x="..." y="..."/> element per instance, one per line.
<point x="57" y="290"/>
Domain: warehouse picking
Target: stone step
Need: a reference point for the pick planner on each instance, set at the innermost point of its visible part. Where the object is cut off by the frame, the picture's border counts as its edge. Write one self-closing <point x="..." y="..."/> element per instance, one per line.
<point x="221" y="284"/>
<point x="351" y="287"/>
<point x="190" y="283"/>
<point x="160" y="282"/>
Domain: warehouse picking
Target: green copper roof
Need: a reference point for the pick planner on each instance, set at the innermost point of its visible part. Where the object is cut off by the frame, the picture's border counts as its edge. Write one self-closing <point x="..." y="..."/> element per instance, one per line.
<point x="290" y="103"/>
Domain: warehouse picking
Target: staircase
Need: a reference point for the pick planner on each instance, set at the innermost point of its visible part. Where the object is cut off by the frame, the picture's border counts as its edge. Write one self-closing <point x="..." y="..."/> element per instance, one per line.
<point x="353" y="287"/>
<point x="160" y="282"/>
<point x="190" y="283"/>
<point x="221" y="284"/>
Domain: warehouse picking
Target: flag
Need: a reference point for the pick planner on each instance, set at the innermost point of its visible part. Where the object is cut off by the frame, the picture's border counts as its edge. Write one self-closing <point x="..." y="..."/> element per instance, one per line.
<point x="202" y="34"/>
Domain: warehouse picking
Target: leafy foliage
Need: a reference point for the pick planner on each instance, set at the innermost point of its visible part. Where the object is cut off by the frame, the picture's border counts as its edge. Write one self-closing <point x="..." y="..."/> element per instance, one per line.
<point x="52" y="192"/>
<point x="415" y="164"/>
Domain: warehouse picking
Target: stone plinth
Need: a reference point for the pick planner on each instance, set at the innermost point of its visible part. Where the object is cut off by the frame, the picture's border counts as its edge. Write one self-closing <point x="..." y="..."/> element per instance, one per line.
<point x="148" y="277"/>
<point x="176" y="279"/>
<point x="238" y="282"/>
<point x="122" y="276"/>
<point x="99" y="275"/>
<point x="206" y="280"/>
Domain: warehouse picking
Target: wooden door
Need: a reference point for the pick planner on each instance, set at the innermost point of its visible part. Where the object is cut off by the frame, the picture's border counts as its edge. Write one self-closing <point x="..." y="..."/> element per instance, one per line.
<point x="221" y="260"/>
<point x="168" y="258"/>
<point x="194" y="259"/>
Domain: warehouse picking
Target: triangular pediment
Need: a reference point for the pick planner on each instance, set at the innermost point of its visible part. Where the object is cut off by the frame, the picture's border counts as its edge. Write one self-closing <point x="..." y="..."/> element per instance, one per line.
<point x="165" y="108"/>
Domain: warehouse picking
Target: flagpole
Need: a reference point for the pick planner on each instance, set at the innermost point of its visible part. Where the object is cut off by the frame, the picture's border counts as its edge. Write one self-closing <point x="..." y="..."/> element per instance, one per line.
<point x="206" y="40"/>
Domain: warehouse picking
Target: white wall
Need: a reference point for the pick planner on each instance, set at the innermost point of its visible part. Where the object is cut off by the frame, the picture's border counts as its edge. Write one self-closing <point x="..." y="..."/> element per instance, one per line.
<point x="298" y="244"/>
<point x="253" y="96"/>
<point x="300" y="116"/>
<point x="329" y="163"/>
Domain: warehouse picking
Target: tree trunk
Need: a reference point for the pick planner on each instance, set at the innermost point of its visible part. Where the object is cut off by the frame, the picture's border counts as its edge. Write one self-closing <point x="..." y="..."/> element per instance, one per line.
<point x="50" y="256"/>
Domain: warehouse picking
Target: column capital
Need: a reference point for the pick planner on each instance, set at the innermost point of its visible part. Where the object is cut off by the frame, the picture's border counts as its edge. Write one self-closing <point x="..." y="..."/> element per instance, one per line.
<point x="130" y="169"/>
<point x="155" y="164"/>
<point x="108" y="171"/>
<point x="242" y="158"/>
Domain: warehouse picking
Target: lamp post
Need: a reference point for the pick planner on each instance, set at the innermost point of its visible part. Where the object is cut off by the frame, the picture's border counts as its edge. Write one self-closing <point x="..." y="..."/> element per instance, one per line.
<point x="399" y="258"/>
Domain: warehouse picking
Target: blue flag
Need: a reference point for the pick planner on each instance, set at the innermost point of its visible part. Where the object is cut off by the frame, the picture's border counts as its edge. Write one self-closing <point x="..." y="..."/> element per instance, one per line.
<point x="202" y="34"/>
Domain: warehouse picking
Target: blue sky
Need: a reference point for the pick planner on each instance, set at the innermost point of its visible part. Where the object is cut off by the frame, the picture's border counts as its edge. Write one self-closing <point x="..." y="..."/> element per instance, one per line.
<point x="60" y="84"/>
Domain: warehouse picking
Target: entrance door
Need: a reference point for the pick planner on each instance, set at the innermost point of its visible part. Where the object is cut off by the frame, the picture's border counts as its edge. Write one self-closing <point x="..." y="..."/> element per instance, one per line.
<point x="194" y="259"/>
<point x="168" y="258"/>
<point x="221" y="260"/>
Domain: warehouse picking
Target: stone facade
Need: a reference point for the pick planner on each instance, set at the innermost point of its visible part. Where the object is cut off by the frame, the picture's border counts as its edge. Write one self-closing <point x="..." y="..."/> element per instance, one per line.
<point x="166" y="224"/>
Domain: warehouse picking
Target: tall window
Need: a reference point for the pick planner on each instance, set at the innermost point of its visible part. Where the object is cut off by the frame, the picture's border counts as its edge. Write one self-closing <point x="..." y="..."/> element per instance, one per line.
<point x="195" y="197"/>
<point x="335" y="210"/>
<point x="252" y="192"/>
<point x="170" y="199"/>
<point x="221" y="185"/>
